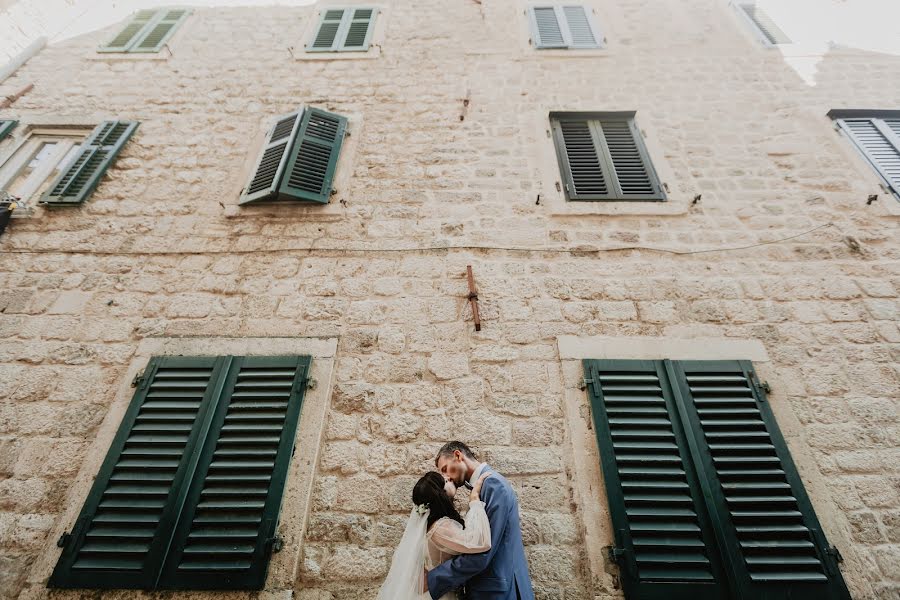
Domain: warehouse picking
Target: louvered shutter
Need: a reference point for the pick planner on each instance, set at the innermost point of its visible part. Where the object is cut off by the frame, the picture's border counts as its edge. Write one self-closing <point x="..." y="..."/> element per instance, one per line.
<point x="161" y="29"/>
<point x="6" y="126"/>
<point x="547" y="29"/>
<point x="766" y="27"/>
<point x="664" y="540"/>
<point x="634" y="174"/>
<point x="763" y="518"/>
<point x="126" y="38"/>
<point x="77" y="182"/>
<point x="604" y="159"/>
<point x="125" y="527"/>
<point x="326" y="38"/>
<point x="263" y="184"/>
<point x="879" y="141"/>
<point x="225" y="537"/>
<point x="313" y="159"/>
<point x="580" y="28"/>
<point x="358" y="29"/>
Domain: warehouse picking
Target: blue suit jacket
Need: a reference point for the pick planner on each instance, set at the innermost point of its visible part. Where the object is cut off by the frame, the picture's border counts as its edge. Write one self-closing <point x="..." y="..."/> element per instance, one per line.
<point x="501" y="571"/>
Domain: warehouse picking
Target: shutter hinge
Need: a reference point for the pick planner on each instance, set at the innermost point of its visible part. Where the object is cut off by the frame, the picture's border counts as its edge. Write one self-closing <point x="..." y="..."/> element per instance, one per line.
<point x="63" y="540"/>
<point x="138" y="379"/>
<point x="835" y="554"/>
<point x="311" y="383"/>
<point x="585" y="381"/>
<point x="761" y="386"/>
<point x="274" y="544"/>
<point x="617" y="555"/>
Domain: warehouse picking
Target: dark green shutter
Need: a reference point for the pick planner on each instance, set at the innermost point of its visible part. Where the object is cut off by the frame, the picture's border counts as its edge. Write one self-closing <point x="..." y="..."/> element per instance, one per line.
<point x="226" y="536"/>
<point x="313" y="159"/>
<point x="272" y="160"/>
<point x="764" y="520"/>
<point x="76" y="183"/>
<point x="125" y="527"/>
<point x="189" y="494"/>
<point x="344" y="30"/>
<point x="6" y="126"/>
<point x="603" y="157"/>
<point x="663" y="539"/>
<point x="126" y="38"/>
<point x="159" y="32"/>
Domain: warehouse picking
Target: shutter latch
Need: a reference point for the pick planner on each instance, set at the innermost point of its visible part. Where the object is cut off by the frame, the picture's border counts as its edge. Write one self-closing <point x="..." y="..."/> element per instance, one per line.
<point x="138" y="379"/>
<point x="275" y="544"/>
<point x="63" y="540"/>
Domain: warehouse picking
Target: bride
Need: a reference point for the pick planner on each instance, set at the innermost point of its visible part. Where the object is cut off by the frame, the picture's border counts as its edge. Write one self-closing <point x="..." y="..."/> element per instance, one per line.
<point x="434" y="533"/>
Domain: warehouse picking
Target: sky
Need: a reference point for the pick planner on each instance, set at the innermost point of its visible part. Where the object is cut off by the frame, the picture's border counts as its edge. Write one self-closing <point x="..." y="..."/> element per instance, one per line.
<point x="813" y="25"/>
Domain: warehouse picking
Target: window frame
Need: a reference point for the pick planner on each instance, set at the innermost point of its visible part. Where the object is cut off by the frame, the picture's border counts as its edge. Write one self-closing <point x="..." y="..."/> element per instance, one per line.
<point x="340" y="37"/>
<point x="143" y="32"/>
<point x="24" y="151"/>
<point x="566" y="31"/>
<point x="738" y="6"/>
<point x="607" y="167"/>
<point x="839" y="117"/>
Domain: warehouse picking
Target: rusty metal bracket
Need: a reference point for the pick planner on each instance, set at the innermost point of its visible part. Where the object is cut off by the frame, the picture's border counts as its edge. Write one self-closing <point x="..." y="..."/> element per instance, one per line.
<point x="473" y="298"/>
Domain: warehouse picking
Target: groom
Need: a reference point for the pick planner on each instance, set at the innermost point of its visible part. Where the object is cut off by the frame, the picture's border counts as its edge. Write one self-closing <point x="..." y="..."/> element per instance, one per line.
<point x="501" y="573"/>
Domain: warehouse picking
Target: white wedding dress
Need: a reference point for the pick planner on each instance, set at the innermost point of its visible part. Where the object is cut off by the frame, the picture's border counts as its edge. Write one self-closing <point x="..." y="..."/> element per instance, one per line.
<point x="446" y="538"/>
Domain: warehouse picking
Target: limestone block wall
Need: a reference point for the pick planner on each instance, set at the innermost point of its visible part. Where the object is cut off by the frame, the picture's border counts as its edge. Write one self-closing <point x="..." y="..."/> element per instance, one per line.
<point x="781" y="250"/>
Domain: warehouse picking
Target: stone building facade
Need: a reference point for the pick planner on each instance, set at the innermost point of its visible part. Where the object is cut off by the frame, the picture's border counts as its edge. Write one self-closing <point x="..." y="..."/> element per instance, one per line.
<point x="765" y="249"/>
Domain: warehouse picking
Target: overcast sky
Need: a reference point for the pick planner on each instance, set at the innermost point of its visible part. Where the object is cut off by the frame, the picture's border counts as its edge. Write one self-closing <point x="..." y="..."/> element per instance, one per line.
<point x="812" y="25"/>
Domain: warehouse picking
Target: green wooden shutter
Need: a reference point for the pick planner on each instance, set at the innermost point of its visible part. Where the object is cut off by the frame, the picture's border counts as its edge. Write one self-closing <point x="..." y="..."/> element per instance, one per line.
<point x="125" y="527"/>
<point x="359" y="30"/>
<point x="879" y="141"/>
<point x="227" y="534"/>
<point x="580" y="27"/>
<point x="602" y="157"/>
<point x="133" y="31"/>
<point x="547" y="27"/>
<point x="76" y="183"/>
<point x="625" y="150"/>
<point x="664" y="540"/>
<point x="765" y="26"/>
<point x="189" y="494"/>
<point x="313" y="158"/>
<point x="326" y="38"/>
<point x="160" y="30"/>
<point x="263" y="184"/>
<point x="765" y="524"/>
<point x="6" y="126"/>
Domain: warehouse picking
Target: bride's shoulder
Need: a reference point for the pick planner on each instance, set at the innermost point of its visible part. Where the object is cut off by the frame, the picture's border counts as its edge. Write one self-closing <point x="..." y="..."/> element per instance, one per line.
<point x="443" y="523"/>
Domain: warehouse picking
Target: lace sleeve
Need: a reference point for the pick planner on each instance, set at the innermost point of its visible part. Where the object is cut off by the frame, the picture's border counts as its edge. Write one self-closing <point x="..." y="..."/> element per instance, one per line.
<point x="449" y="536"/>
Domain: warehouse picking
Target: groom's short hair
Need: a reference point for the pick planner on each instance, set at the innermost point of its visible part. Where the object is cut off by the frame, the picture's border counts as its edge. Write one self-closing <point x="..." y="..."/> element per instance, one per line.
<point x="450" y="447"/>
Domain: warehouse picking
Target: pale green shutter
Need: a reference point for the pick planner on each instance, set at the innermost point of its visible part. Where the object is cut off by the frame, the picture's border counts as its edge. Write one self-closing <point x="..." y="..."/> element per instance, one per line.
<point x="359" y="29"/>
<point x="326" y="38"/>
<point x="162" y="28"/>
<point x="879" y="141"/>
<point x="767" y="29"/>
<point x="126" y="38"/>
<point x="6" y="126"/>
<point x="76" y="183"/>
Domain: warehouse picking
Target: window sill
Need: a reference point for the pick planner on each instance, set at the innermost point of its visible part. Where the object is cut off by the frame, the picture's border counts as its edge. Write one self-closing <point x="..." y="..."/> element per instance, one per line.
<point x="299" y="53"/>
<point x="162" y="55"/>
<point x="671" y="206"/>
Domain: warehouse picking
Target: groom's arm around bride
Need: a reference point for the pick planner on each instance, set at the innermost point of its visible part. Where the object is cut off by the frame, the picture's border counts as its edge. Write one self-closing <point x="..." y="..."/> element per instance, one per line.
<point x="502" y="572"/>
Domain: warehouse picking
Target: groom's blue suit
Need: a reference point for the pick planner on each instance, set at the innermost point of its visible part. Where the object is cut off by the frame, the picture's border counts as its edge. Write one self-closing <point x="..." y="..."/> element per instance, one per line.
<point x="501" y="573"/>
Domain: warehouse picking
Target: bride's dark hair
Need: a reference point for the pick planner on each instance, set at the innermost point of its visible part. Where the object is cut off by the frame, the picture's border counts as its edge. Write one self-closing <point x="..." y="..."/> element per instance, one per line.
<point x="430" y="490"/>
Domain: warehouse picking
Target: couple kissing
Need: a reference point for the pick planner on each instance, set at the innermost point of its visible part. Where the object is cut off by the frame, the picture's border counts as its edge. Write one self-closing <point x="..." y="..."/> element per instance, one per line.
<point x="443" y="556"/>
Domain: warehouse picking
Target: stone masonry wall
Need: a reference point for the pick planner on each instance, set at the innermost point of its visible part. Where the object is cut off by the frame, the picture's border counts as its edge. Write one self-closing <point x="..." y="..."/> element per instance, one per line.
<point x="162" y="250"/>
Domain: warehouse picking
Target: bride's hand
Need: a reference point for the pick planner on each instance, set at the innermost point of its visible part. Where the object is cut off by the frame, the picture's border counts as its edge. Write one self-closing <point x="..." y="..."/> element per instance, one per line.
<point x="476" y="489"/>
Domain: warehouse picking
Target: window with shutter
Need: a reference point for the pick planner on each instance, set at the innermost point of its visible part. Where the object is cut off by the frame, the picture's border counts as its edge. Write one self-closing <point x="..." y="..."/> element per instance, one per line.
<point x="876" y="134"/>
<point x="563" y="26"/>
<point x="346" y="29"/>
<point x="764" y="26"/>
<point x="77" y="181"/>
<point x="697" y="441"/>
<point x="300" y="158"/>
<point x="6" y="126"/>
<point x="189" y="494"/>
<point x="602" y="157"/>
<point x="147" y="31"/>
